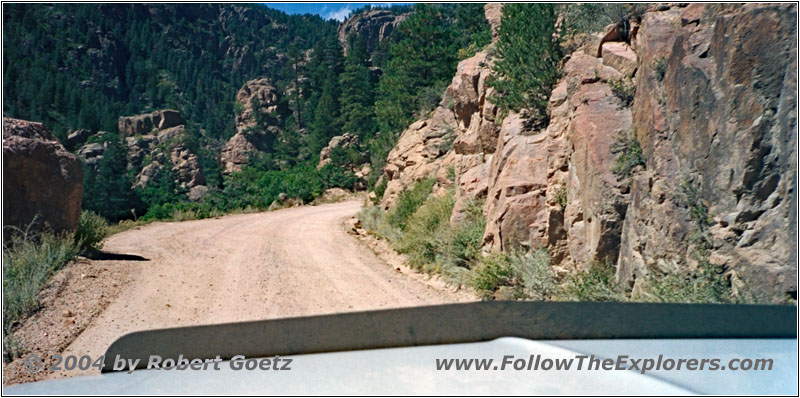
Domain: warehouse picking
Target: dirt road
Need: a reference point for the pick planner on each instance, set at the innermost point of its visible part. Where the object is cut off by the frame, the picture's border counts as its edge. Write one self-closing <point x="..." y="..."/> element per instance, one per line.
<point x="285" y="263"/>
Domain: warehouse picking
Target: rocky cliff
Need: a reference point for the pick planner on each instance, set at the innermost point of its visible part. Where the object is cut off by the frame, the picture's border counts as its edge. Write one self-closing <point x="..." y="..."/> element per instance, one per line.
<point x="42" y="181"/>
<point x="672" y="149"/>
<point x="373" y="25"/>
<point x="256" y="124"/>
<point x="154" y="140"/>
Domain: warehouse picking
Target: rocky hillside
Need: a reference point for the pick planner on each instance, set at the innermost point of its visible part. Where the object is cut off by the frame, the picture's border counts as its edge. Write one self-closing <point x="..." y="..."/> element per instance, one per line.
<point x="666" y="150"/>
<point x="374" y="26"/>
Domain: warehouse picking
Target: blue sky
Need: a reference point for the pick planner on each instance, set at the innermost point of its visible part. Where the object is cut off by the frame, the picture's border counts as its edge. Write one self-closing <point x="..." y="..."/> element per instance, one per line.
<point x="338" y="11"/>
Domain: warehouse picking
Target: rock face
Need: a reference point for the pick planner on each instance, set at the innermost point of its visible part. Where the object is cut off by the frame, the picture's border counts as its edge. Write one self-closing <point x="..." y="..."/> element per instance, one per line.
<point x="722" y="120"/>
<point x="373" y="25"/>
<point x="493" y="12"/>
<point x="145" y="124"/>
<point x="555" y="187"/>
<point x="259" y="102"/>
<point x="456" y="140"/>
<point x="153" y="140"/>
<point x="714" y="113"/>
<point x="41" y="179"/>
<point x="345" y="142"/>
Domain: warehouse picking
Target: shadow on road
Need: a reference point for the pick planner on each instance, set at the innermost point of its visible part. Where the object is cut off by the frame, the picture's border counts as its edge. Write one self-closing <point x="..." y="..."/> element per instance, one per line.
<point x="101" y="255"/>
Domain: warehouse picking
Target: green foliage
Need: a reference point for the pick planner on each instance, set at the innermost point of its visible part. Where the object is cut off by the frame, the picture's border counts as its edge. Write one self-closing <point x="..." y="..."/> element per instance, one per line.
<point x="163" y="189"/>
<point x="629" y="155"/>
<point x="374" y="220"/>
<point x="426" y="233"/>
<point x="597" y="283"/>
<point x="528" y="59"/>
<point x="561" y="197"/>
<point x="84" y="65"/>
<point x="528" y="275"/>
<point x="92" y="229"/>
<point x="107" y="191"/>
<point x="409" y="201"/>
<point x="28" y="263"/>
<point x="493" y="272"/>
<point x="660" y="67"/>
<point x="465" y="238"/>
<point x="707" y="284"/>
<point x="585" y="18"/>
<point x="423" y="53"/>
<point x="357" y="97"/>
<point x="624" y="90"/>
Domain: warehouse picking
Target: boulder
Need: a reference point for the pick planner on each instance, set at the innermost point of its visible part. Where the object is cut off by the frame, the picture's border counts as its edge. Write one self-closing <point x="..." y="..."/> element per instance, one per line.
<point x="459" y="135"/>
<point x="345" y="141"/>
<point x="42" y="181"/>
<point x="76" y="138"/>
<point x="259" y="99"/>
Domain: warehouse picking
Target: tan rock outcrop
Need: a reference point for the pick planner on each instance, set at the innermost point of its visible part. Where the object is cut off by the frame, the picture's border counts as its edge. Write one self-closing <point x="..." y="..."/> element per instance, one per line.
<point x="42" y="181"/>
<point x="146" y="123"/>
<point x="554" y="187"/>
<point x="146" y="136"/>
<point x="714" y="113"/>
<point x="493" y="13"/>
<point x="256" y="124"/>
<point x="457" y="139"/>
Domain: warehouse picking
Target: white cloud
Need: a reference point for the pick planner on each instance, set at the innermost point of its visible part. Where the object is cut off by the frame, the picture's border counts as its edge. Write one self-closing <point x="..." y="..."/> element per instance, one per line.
<point x="340" y="14"/>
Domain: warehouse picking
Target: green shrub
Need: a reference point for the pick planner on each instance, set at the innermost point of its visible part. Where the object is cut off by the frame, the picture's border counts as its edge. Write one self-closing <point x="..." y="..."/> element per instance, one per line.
<point x="493" y="272"/>
<point x="629" y="155"/>
<point x="660" y="67"/>
<point x="624" y="89"/>
<point x="528" y="275"/>
<point x="28" y="263"/>
<point x="374" y="220"/>
<point x="536" y="276"/>
<point x="597" y="283"/>
<point x="426" y="235"/>
<point x="92" y="229"/>
<point x="707" y="284"/>
<point x="561" y="197"/>
<point x="466" y="237"/>
<point x="409" y="201"/>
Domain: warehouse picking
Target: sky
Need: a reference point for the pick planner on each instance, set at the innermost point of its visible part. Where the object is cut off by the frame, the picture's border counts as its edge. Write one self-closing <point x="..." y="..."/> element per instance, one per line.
<point x="337" y="11"/>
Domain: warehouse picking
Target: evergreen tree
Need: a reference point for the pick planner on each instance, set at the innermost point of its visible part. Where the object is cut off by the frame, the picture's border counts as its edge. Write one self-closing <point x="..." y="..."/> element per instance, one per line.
<point x="357" y="91"/>
<point x="529" y="54"/>
<point x="108" y="190"/>
<point x="424" y="54"/>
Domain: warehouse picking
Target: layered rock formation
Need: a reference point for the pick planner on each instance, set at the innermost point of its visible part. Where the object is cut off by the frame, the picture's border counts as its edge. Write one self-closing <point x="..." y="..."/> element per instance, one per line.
<point x="373" y="25"/>
<point x="714" y="113"/>
<point x="256" y="124"/>
<point x="41" y="180"/>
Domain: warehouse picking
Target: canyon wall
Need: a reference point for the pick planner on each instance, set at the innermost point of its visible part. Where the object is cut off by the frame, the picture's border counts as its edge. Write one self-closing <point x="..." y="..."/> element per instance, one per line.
<point x="700" y="167"/>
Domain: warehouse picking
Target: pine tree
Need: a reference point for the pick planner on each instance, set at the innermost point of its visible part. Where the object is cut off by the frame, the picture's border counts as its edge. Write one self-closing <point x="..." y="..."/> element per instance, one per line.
<point x="424" y="54"/>
<point x="357" y="91"/>
<point x="529" y="54"/>
<point x="108" y="190"/>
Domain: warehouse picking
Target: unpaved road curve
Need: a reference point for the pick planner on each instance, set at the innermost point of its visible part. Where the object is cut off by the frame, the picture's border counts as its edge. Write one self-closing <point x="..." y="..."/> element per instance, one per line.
<point x="285" y="263"/>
